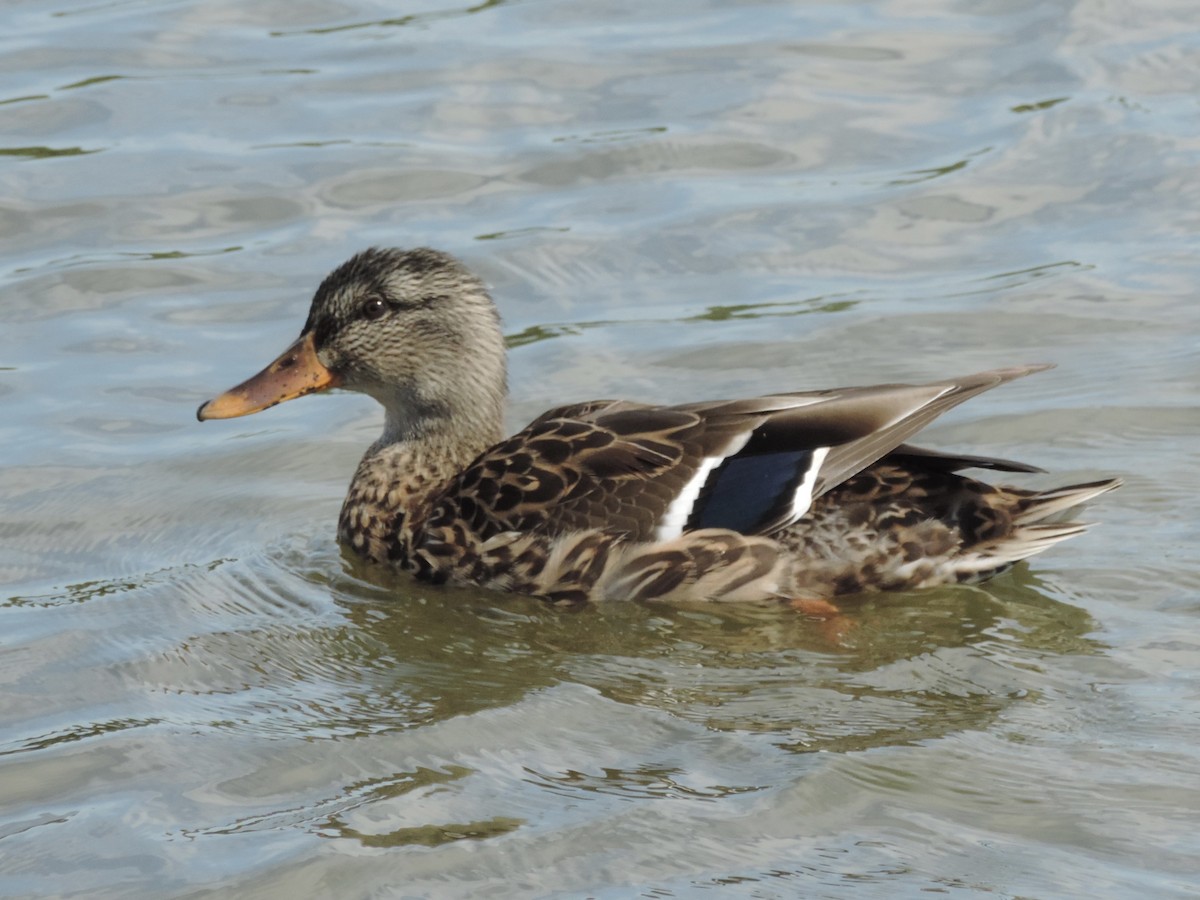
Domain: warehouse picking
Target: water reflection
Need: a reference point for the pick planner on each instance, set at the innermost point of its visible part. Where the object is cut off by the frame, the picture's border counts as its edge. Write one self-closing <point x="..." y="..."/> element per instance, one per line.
<point x="896" y="669"/>
<point x="45" y="152"/>
<point x="717" y="313"/>
<point x="397" y="21"/>
<point x="386" y="655"/>
<point x="643" y="782"/>
<point x="326" y="817"/>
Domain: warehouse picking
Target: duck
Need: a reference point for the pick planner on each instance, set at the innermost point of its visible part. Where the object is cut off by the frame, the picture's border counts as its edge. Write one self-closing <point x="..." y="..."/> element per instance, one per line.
<point x="805" y="497"/>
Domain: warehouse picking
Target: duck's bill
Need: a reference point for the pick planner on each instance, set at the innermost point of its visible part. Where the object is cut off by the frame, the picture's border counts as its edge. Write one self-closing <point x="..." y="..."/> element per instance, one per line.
<point x="295" y="373"/>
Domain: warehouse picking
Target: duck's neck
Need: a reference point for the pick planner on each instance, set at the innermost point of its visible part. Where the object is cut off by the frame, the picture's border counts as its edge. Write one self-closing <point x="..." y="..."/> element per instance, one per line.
<point x="436" y="455"/>
<point x="400" y="472"/>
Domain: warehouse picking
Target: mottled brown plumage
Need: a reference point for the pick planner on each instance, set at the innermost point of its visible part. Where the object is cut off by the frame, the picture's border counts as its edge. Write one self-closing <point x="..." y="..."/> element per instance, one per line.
<point x="795" y="495"/>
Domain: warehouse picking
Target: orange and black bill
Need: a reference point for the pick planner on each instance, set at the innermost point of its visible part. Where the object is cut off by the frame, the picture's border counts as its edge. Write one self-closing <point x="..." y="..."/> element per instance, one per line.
<point x="295" y="373"/>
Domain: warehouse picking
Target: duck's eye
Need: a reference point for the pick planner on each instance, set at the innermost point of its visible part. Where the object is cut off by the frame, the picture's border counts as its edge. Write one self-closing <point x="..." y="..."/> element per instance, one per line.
<point x="374" y="308"/>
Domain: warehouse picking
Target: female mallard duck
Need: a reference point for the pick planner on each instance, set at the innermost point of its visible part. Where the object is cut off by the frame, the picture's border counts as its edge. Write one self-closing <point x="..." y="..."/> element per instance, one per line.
<point x="798" y="495"/>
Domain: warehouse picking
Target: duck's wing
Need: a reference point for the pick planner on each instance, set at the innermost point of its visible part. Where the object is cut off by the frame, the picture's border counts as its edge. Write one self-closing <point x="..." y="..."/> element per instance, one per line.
<point x="653" y="472"/>
<point x="939" y="461"/>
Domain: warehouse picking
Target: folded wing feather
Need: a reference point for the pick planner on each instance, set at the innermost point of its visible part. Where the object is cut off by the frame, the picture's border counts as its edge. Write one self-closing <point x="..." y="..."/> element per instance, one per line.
<point x="753" y="466"/>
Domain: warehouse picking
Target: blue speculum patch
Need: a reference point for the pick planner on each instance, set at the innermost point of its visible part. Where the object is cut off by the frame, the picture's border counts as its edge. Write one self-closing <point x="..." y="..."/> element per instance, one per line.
<point x="744" y="493"/>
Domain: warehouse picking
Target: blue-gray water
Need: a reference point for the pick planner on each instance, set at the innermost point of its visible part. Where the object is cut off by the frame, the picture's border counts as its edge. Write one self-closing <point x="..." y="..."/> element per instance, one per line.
<point x="671" y="200"/>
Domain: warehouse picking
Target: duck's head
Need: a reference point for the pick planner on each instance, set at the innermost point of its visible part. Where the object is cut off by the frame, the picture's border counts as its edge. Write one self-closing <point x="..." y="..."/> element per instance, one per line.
<point x="412" y="328"/>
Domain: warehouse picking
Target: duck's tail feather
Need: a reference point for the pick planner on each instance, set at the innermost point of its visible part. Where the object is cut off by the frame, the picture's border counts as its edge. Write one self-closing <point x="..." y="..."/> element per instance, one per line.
<point x="1032" y="532"/>
<point x="1040" y="506"/>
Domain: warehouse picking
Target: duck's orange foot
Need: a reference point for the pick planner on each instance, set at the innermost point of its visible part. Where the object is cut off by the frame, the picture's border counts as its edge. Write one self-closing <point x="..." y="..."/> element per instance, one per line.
<point x="831" y="624"/>
<point x="815" y="607"/>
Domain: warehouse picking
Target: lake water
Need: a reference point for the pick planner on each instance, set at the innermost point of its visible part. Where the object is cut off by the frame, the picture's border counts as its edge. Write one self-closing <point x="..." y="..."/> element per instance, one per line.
<point x="202" y="697"/>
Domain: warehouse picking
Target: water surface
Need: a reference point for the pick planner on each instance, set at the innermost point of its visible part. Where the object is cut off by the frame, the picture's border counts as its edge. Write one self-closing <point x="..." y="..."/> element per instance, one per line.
<point x="203" y="697"/>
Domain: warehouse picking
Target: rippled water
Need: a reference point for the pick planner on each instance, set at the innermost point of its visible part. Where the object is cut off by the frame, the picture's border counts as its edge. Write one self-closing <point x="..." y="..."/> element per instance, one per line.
<point x="202" y="695"/>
